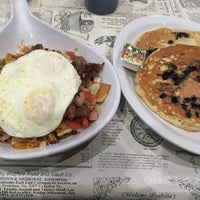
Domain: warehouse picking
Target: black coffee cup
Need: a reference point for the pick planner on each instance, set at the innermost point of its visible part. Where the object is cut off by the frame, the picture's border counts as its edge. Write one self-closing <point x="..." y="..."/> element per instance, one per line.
<point x="101" y="7"/>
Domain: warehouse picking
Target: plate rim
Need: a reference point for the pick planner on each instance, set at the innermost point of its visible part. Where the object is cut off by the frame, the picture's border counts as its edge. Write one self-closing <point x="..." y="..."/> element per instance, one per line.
<point x="68" y="144"/>
<point x="150" y="118"/>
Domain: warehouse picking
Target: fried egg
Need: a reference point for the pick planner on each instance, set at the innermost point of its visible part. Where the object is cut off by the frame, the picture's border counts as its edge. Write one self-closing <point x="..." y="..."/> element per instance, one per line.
<point x="35" y="91"/>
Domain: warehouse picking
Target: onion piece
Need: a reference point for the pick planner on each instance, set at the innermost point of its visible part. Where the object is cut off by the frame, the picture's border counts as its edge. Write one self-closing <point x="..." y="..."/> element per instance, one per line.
<point x="94" y="88"/>
<point x="78" y="101"/>
<point x="4" y="137"/>
<point x="97" y="79"/>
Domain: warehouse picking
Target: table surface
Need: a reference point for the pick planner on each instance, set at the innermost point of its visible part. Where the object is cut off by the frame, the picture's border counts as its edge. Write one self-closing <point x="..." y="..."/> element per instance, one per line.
<point x="127" y="160"/>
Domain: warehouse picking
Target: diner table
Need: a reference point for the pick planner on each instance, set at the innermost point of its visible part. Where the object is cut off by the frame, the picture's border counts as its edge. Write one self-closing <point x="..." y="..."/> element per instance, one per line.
<point x="127" y="159"/>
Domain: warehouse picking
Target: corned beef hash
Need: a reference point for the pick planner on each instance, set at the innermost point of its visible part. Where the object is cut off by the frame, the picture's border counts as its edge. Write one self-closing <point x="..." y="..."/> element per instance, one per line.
<point x="47" y="95"/>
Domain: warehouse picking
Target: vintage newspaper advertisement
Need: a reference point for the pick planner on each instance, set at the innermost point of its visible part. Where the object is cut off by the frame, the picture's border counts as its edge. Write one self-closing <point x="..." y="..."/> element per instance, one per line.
<point x="127" y="160"/>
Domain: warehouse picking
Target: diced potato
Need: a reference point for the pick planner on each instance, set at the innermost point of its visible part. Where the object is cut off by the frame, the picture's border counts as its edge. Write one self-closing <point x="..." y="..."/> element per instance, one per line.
<point x="25" y="143"/>
<point x="52" y="138"/>
<point x="63" y="130"/>
<point x="102" y="92"/>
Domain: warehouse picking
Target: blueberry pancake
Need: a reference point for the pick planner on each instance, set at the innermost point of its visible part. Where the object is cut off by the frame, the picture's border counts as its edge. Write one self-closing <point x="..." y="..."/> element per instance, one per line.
<point x="169" y="84"/>
<point x="163" y="37"/>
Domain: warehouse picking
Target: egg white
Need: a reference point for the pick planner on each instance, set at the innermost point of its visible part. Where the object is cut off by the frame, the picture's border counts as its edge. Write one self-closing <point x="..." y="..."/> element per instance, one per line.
<point x="35" y="91"/>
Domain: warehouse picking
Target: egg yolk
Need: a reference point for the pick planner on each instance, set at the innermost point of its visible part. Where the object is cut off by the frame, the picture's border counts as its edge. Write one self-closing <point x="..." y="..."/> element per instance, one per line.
<point x="35" y="91"/>
<point x="39" y="105"/>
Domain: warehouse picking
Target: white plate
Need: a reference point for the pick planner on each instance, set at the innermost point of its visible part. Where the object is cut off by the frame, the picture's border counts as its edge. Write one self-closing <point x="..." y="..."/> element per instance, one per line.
<point x="23" y="25"/>
<point x="189" y="141"/>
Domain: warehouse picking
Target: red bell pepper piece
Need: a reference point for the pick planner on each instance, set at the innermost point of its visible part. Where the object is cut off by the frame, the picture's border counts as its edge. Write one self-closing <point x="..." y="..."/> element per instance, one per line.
<point x="71" y="54"/>
<point x="73" y="124"/>
<point x="85" y="122"/>
<point x="89" y="96"/>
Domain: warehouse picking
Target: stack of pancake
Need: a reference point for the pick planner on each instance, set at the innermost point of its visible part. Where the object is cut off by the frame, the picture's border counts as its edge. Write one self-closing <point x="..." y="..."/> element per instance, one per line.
<point x="169" y="81"/>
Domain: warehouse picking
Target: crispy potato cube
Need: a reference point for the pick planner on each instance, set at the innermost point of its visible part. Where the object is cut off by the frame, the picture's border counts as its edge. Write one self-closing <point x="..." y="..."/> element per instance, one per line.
<point x="102" y="92"/>
<point x="63" y="130"/>
<point x="24" y="143"/>
<point x="52" y="138"/>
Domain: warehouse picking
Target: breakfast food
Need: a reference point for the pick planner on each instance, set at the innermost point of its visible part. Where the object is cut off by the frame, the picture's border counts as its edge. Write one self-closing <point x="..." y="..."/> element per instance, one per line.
<point x="43" y="93"/>
<point x="163" y="37"/>
<point x="169" y="85"/>
<point x="155" y="39"/>
<point x="47" y="95"/>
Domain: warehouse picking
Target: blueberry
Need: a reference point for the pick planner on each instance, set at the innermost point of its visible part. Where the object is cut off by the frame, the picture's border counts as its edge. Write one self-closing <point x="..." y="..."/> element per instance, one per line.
<point x="193" y="99"/>
<point x="181" y="34"/>
<point x="197" y="78"/>
<point x="170" y="42"/>
<point x="186" y="100"/>
<point x="172" y="66"/>
<point x="167" y="74"/>
<point x="163" y="95"/>
<point x="150" y="51"/>
<point x="197" y="114"/>
<point x="188" y="114"/>
<point x="192" y="68"/>
<point x="174" y="99"/>
<point x="187" y="72"/>
<point x="184" y="107"/>
<point x="177" y="79"/>
<point x="194" y="105"/>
